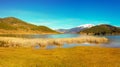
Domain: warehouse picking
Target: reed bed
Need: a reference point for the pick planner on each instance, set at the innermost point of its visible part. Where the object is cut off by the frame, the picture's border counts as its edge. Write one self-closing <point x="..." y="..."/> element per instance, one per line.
<point x="24" y="42"/>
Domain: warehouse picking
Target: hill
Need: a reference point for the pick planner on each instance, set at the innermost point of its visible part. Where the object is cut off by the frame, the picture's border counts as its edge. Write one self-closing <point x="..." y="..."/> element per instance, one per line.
<point x="12" y="25"/>
<point x="103" y="29"/>
<point x="76" y="29"/>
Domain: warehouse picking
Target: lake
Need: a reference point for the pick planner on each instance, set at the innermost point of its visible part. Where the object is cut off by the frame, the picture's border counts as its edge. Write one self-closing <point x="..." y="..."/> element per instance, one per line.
<point x="114" y="41"/>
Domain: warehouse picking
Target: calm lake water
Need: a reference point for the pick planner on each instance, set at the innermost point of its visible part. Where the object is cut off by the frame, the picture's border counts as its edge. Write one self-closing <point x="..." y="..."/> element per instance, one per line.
<point x="114" y="40"/>
<point x="41" y="35"/>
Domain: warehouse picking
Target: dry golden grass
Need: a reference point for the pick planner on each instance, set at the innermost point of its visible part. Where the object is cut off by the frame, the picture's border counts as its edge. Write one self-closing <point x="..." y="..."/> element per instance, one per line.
<point x="62" y="57"/>
<point x="23" y="42"/>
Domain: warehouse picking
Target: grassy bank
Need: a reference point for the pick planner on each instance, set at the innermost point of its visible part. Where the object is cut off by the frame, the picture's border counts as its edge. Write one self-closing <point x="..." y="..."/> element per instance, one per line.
<point x="62" y="57"/>
<point x="23" y="42"/>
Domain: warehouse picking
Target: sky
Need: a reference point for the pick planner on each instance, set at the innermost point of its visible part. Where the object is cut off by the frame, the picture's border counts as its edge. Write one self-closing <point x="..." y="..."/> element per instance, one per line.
<point x="63" y="14"/>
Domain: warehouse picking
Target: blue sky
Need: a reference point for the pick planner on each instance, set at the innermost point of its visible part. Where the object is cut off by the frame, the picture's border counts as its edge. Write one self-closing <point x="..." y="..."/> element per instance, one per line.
<point x="63" y="13"/>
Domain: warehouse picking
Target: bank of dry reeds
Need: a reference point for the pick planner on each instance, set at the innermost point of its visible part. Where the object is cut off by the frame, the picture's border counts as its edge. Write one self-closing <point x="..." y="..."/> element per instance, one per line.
<point x="24" y="42"/>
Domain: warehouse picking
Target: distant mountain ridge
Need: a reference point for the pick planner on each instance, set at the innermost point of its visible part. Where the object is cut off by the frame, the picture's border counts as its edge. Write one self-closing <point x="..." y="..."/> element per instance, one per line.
<point x="12" y="25"/>
<point x="103" y="29"/>
<point x="86" y="25"/>
<point x="76" y="29"/>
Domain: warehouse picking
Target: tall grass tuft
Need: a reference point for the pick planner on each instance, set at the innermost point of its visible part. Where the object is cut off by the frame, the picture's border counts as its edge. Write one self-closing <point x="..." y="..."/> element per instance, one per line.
<point x="24" y="42"/>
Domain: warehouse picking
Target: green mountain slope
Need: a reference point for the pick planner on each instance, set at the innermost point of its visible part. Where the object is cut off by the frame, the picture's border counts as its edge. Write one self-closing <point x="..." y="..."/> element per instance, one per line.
<point x="13" y="25"/>
<point x="103" y="29"/>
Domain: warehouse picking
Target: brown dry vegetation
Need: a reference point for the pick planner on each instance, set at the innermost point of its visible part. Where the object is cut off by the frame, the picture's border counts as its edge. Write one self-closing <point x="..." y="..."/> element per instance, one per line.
<point x="23" y="42"/>
<point x="62" y="57"/>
